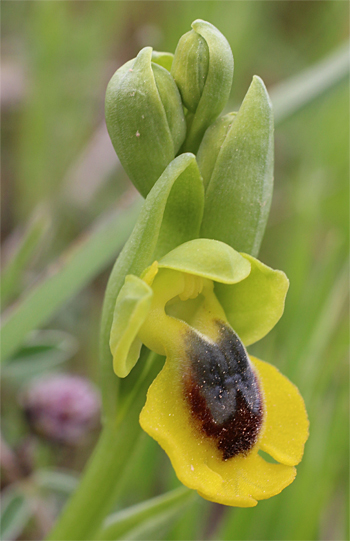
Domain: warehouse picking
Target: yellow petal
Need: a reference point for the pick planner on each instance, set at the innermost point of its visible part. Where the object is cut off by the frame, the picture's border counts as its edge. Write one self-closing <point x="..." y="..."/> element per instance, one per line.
<point x="247" y="479"/>
<point x="239" y="481"/>
<point x="286" y="426"/>
<point x="166" y="418"/>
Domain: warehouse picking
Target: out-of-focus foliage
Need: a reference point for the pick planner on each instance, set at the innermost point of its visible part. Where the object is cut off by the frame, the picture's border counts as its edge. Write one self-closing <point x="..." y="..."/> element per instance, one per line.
<point x="57" y="58"/>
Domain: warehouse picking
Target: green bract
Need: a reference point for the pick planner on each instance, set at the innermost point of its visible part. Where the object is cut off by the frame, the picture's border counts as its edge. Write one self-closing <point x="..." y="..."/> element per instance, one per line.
<point x="236" y="162"/>
<point x="170" y="216"/>
<point x="145" y="117"/>
<point x="212" y="143"/>
<point x="203" y="70"/>
<point x="251" y="294"/>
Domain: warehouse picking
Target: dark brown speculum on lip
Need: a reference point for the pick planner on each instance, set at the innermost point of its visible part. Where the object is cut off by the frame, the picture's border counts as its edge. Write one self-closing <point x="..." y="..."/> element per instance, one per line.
<point x="223" y="392"/>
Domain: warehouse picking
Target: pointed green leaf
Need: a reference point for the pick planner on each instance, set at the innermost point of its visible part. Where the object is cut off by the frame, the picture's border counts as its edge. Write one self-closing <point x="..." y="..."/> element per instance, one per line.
<point x="29" y="244"/>
<point x="131" y="309"/>
<point x="254" y="305"/>
<point x="208" y="258"/>
<point x="170" y="215"/>
<point x="240" y="187"/>
<point x="208" y="154"/>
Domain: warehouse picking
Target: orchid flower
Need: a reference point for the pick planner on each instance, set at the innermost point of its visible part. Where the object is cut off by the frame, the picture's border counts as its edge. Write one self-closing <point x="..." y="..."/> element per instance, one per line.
<point x="213" y="407"/>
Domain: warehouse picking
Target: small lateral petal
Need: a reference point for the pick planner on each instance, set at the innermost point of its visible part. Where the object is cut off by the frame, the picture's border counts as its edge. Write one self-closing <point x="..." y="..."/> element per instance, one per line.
<point x="210" y="259"/>
<point x="131" y="309"/>
<point x="286" y="425"/>
<point x="254" y="305"/>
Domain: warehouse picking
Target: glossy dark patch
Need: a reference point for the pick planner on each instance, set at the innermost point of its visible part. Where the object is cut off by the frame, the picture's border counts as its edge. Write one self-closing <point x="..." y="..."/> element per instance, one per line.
<point x="223" y="392"/>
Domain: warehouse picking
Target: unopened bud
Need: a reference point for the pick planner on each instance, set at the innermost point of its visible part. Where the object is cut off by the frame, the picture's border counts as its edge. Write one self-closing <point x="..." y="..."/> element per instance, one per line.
<point x="190" y="68"/>
<point x="145" y="118"/>
<point x="203" y="70"/>
<point x="163" y="59"/>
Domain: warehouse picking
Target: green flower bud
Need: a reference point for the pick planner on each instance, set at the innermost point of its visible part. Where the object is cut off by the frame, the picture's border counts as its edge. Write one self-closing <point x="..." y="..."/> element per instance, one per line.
<point x="236" y="162"/>
<point x="145" y="118"/>
<point x="163" y="59"/>
<point x="190" y="68"/>
<point x="203" y="70"/>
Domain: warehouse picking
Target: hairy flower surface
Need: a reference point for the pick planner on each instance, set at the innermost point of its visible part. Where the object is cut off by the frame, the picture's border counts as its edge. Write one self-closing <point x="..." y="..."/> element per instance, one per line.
<point x="213" y="407"/>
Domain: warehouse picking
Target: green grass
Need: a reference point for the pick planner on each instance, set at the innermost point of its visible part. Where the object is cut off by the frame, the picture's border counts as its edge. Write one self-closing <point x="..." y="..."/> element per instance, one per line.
<point x="67" y="52"/>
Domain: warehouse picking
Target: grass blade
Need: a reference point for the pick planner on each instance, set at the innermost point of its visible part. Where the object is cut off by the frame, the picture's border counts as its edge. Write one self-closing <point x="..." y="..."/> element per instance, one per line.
<point x="27" y="246"/>
<point x="76" y="268"/>
<point x="293" y="94"/>
<point x="143" y="520"/>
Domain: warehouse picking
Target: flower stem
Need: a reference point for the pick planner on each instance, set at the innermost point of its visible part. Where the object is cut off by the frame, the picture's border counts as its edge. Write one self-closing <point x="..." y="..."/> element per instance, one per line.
<point x="99" y="486"/>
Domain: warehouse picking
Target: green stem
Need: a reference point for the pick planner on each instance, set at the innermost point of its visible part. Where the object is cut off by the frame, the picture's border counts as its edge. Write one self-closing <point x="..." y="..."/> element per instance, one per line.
<point x="94" y="496"/>
<point x="99" y="486"/>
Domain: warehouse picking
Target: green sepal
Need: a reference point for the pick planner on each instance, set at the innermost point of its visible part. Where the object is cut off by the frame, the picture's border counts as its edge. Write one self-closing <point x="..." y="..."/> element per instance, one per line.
<point x="131" y="309"/>
<point x="240" y="184"/>
<point x="209" y="259"/>
<point x="170" y="216"/>
<point x="254" y="305"/>
<point x="218" y="80"/>
<point x="215" y="137"/>
<point x="190" y="68"/>
<point x="145" y="119"/>
<point x="163" y="59"/>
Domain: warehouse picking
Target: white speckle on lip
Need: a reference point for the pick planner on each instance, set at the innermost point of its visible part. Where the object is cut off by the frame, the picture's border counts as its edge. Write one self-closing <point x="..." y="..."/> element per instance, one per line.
<point x="192" y="468"/>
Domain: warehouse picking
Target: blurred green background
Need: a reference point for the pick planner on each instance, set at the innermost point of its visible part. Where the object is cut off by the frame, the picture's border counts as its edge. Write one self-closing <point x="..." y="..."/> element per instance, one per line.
<point x="60" y="177"/>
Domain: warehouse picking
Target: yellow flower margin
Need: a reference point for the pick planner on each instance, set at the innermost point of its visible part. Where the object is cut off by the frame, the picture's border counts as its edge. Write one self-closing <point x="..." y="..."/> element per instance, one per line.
<point x="237" y="289"/>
